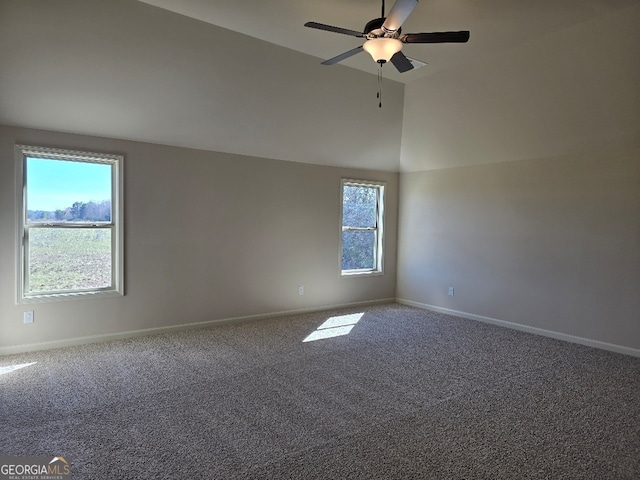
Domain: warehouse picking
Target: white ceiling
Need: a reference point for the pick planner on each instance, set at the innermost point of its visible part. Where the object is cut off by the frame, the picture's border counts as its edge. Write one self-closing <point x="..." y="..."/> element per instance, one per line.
<point x="494" y="24"/>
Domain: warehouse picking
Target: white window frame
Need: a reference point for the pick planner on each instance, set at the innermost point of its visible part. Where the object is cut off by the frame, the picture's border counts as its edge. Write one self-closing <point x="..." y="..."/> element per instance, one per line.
<point x="116" y="225"/>
<point x="378" y="229"/>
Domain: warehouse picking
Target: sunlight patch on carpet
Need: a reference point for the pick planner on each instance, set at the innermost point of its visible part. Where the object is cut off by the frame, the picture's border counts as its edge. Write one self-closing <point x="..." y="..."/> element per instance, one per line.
<point x="13" y="368"/>
<point x="335" y="327"/>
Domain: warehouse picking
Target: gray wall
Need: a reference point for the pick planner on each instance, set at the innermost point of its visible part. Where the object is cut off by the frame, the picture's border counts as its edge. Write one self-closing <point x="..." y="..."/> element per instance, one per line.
<point x="545" y="234"/>
<point x="546" y="243"/>
<point x="208" y="236"/>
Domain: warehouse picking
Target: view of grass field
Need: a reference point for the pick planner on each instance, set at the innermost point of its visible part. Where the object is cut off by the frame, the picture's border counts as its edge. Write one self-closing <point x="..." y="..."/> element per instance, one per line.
<point x="69" y="259"/>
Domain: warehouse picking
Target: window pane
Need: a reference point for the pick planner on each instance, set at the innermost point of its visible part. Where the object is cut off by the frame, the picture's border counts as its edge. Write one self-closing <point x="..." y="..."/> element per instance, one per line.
<point x="66" y="191"/>
<point x="69" y="259"/>
<point x="359" y="206"/>
<point x="358" y="250"/>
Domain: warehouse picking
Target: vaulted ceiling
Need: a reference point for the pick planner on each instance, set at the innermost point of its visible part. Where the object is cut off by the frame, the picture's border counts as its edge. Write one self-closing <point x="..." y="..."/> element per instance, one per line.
<point x="495" y="25"/>
<point x="244" y="77"/>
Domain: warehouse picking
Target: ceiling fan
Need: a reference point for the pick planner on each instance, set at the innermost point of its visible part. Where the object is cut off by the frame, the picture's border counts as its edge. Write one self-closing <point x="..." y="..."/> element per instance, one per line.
<point x="384" y="38"/>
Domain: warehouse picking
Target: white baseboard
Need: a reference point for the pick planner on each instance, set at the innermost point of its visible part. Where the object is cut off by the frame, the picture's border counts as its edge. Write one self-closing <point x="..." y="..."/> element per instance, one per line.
<point x="525" y="328"/>
<point x="70" y="342"/>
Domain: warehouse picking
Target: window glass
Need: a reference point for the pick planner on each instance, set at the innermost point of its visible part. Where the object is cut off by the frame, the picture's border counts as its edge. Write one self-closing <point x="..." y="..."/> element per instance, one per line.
<point x="69" y="259"/>
<point x="63" y="191"/>
<point x="358" y="250"/>
<point x="359" y="206"/>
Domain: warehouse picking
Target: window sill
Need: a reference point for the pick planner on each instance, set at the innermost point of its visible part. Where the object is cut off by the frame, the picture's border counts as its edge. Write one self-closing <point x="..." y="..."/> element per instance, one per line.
<point x="69" y="296"/>
<point x="359" y="273"/>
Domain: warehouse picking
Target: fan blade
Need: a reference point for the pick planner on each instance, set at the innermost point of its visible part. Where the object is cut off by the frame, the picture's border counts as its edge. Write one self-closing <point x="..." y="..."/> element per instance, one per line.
<point x="342" y="56"/>
<point x="436" y="37"/>
<point x="401" y="62"/>
<point x="330" y="28"/>
<point x="398" y="14"/>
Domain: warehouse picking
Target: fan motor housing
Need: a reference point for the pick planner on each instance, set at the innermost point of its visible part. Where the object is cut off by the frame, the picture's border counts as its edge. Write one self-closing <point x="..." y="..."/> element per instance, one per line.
<point x="376" y="24"/>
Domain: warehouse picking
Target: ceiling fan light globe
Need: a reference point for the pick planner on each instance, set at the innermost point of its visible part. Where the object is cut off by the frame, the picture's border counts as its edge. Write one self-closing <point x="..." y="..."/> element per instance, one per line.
<point x="382" y="49"/>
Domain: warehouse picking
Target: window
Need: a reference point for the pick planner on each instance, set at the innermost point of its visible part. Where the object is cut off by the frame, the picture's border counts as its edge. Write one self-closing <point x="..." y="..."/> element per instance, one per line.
<point x="70" y="233"/>
<point x="362" y="213"/>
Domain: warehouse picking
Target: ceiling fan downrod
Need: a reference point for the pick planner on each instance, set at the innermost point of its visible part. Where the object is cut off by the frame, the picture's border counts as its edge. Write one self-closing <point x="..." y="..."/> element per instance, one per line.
<point x="379" y="96"/>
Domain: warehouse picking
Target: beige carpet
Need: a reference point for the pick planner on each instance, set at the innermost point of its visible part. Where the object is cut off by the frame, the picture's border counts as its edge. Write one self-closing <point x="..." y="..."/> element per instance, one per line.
<point x="401" y="393"/>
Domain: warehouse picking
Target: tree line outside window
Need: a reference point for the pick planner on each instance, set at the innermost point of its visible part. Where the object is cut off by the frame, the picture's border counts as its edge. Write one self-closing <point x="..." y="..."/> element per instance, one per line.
<point x="80" y="211"/>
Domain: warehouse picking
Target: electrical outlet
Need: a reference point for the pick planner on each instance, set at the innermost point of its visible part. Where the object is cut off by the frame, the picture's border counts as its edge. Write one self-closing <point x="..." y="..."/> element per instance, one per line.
<point x="28" y="317"/>
<point x="300" y="289"/>
<point x="451" y="291"/>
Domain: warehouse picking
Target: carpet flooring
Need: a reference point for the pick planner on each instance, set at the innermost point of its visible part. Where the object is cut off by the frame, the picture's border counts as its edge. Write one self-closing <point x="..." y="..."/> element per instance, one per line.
<point x="401" y="393"/>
